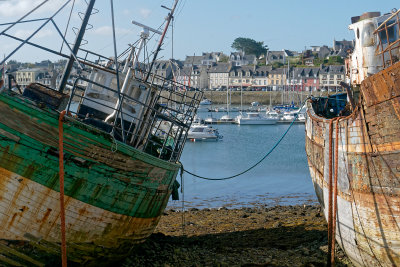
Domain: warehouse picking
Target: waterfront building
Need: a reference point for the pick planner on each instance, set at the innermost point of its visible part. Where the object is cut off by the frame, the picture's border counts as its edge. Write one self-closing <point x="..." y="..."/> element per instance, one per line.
<point x="206" y="59"/>
<point x="241" y="77"/>
<point x="219" y="75"/>
<point x="203" y="79"/>
<point x="321" y="51"/>
<point x="50" y="79"/>
<point x="279" y="56"/>
<point x="27" y="76"/>
<point x="192" y="60"/>
<point x="260" y="77"/>
<point x="277" y="79"/>
<point x="166" y="69"/>
<point x="305" y="79"/>
<point x="331" y="76"/>
<point x="189" y="76"/>
<point x="241" y="59"/>
<point x="342" y="45"/>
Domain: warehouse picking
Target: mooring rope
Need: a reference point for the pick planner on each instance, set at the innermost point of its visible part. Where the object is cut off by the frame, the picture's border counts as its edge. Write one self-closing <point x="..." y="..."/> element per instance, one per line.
<point x="62" y="204"/>
<point x="333" y="190"/>
<point x="330" y="192"/>
<point x="254" y="165"/>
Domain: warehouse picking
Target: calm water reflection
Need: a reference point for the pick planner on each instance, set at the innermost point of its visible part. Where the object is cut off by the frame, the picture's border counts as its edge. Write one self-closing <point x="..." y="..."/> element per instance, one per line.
<point x="282" y="178"/>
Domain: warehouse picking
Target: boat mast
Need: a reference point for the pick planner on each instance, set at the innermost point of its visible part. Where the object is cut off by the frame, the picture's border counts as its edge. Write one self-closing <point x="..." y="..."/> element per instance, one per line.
<point x="241" y="91"/>
<point x="78" y="40"/>
<point x="169" y="18"/>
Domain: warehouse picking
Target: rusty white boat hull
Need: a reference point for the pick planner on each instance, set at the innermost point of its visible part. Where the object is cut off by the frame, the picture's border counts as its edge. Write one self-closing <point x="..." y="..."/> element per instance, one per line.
<point x="368" y="200"/>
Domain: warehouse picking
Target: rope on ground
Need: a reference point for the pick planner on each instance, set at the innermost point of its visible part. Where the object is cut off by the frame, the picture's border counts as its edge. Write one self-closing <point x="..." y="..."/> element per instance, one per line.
<point x="61" y="175"/>
<point x="258" y="162"/>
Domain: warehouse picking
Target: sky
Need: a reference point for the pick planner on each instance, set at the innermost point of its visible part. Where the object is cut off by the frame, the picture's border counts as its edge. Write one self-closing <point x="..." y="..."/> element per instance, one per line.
<point x="199" y="25"/>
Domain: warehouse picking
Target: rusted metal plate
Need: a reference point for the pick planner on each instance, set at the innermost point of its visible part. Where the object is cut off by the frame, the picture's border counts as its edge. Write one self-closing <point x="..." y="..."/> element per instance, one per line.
<point x="382" y="86"/>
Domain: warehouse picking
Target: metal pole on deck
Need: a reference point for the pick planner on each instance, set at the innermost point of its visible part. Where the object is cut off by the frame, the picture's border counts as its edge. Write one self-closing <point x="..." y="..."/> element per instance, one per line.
<point x="78" y="40"/>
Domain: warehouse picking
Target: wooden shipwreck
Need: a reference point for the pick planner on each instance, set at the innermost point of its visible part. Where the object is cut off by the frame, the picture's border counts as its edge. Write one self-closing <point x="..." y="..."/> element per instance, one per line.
<point x="353" y="147"/>
<point x="123" y="133"/>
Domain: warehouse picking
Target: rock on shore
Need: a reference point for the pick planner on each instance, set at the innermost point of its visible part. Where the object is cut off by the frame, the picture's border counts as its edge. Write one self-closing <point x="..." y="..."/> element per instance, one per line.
<point x="272" y="236"/>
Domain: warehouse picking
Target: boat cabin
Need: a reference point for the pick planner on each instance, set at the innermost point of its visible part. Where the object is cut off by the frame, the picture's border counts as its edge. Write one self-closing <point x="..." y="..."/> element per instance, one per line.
<point x="376" y="44"/>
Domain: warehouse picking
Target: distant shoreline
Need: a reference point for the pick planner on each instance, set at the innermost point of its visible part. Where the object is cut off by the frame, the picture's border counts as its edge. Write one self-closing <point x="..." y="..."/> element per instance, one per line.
<point x="263" y="98"/>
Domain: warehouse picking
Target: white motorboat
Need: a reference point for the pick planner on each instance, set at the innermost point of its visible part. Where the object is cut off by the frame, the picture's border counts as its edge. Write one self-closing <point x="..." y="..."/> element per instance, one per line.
<point x="227" y="119"/>
<point x="210" y="120"/>
<point x="220" y="109"/>
<point x="273" y="114"/>
<point x="197" y="120"/>
<point x="255" y="118"/>
<point x="255" y="104"/>
<point x="289" y="117"/>
<point x="301" y="117"/>
<point x="205" y="101"/>
<point x="201" y="132"/>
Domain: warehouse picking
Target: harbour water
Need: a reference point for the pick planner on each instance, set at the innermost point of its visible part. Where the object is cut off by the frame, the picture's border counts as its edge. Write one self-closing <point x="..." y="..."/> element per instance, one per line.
<point x="281" y="179"/>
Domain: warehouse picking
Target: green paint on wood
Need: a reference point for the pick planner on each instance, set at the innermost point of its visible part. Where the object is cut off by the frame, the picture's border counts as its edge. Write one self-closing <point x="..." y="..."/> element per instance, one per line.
<point x="125" y="190"/>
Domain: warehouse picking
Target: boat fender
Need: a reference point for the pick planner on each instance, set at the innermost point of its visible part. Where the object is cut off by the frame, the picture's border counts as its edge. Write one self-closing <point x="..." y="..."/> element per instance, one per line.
<point x="175" y="192"/>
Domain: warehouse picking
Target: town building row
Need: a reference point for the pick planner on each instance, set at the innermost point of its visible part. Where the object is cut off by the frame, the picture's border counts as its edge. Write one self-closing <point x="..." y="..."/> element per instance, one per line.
<point x="221" y="76"/>
<point x="217" y="71"/>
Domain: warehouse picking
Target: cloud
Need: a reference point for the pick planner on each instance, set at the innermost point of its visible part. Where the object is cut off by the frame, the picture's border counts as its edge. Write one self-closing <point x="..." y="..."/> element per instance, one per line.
<point x="12" y="8"/>
<point x="145" y="12"/>
<point x="107" y="30"/>
<point x="126" y="12"/>
<point x="23" y="34"/>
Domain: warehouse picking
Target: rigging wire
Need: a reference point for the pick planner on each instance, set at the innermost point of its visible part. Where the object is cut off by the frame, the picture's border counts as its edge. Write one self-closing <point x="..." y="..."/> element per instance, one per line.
<point x="66" y="28"/>
<point x="180" y="8"/>
<point x="254" y="165"/>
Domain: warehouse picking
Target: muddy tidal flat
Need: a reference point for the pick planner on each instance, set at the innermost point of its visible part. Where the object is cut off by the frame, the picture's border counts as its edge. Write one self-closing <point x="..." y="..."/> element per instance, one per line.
<point x="271" y="236"/>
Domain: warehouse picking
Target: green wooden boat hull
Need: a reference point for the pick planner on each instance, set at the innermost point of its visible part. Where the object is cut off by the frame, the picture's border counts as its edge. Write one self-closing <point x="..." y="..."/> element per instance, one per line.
<point x="113" y="191"/>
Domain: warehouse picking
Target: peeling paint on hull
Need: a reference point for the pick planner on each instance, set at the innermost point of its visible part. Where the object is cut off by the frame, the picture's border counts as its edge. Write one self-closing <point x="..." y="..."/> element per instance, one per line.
<point x="111" y="196"/>
<point x="368" y="218"/>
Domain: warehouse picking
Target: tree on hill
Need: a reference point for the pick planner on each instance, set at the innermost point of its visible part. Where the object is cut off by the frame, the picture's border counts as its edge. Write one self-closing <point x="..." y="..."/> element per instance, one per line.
<point x="249" y="46"/>
<point x="277" y="65"/>
<point x="223" y="58"/>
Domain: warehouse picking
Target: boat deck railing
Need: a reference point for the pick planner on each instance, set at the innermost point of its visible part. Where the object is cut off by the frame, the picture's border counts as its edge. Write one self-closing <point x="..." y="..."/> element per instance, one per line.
<point x="388" y="33"/>
<point x="160" y="129"/>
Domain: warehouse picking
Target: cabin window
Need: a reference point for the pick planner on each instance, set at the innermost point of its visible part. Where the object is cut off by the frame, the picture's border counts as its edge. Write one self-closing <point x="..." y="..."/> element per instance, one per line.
<point x="358" y="33"/>
<point x="391" y="33"/>
<point x="368" y="35"/>
<point x="198" y="130"/>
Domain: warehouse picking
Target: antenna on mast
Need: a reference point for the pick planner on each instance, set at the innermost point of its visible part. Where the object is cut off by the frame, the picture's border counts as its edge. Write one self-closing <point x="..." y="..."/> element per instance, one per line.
<point x="147" y="28"/>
